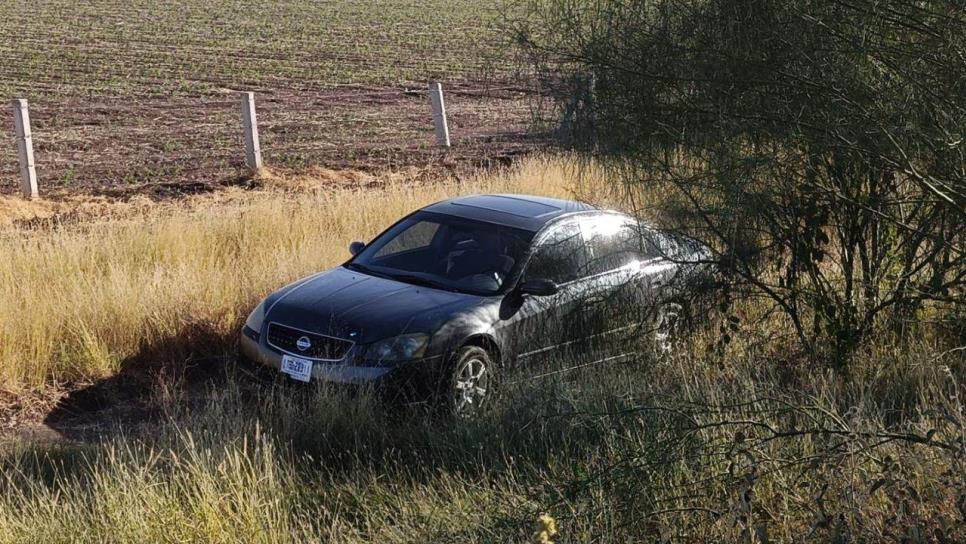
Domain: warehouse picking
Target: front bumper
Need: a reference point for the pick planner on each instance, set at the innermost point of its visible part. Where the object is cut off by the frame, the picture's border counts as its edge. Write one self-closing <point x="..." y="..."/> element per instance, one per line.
<point x="344" y="371"/>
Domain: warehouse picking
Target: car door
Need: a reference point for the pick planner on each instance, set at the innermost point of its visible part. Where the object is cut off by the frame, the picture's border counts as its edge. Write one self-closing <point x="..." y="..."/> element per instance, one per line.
<point x="543" y="324"/>
<point x="626" y="269"/>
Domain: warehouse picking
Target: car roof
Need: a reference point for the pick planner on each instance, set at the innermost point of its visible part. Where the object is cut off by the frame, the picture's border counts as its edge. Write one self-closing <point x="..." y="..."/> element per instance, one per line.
<point x="525" y="212"/>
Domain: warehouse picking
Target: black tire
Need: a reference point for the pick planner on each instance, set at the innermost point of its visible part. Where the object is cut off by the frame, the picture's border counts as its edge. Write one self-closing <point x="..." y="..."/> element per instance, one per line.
<point x="469" y="386"/>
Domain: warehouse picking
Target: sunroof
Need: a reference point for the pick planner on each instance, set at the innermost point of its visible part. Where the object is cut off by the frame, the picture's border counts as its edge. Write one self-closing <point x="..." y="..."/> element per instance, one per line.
<point x="508" y="204"/>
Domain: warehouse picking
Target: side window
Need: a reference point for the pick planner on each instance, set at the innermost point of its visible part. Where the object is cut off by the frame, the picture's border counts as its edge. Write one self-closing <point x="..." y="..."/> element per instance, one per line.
<point x="560" y="257"/>
<point x="613" y="242"/>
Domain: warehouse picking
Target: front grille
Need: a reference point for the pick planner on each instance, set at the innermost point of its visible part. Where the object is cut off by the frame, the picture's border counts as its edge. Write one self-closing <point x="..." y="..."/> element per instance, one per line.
<point x="322" y="347"/>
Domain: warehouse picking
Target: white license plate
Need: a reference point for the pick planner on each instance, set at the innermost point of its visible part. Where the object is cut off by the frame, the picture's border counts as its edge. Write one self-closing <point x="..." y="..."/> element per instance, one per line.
<point x="298" y="369"/>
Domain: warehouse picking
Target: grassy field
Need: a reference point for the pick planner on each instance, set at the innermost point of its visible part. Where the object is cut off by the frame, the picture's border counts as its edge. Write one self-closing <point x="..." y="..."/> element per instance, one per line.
<point x="163" y="437"/>
<point x="127" y="93"/>
<point x="623" y="453"/>
<point x="139" y="274"/>
<point x="125" y="415"/>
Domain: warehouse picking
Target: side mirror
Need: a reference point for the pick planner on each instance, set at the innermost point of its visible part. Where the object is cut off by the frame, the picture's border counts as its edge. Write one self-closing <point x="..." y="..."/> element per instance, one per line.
<point x="356" y="247"/>
<point x="538" y="287"/>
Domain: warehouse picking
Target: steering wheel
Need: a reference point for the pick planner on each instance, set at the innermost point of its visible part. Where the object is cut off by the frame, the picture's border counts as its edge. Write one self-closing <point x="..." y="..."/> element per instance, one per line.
<point x="486" y="281"/>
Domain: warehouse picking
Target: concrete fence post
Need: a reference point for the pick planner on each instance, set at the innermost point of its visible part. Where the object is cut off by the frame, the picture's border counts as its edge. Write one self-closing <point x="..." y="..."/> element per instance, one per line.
<point x="439" y="113"/>
<point x="25" y="149"/>
<point x="253" y="149"/>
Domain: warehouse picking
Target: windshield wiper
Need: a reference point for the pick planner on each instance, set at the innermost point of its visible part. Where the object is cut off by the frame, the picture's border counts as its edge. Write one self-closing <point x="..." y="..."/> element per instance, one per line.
<point x="403" y="277"/>
<point x="366" y="270"/>
<point x="420" y="280"/>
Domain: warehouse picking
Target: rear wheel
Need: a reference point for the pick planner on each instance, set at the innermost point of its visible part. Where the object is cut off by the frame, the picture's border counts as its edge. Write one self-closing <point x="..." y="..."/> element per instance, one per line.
<point x="471" y="382"/>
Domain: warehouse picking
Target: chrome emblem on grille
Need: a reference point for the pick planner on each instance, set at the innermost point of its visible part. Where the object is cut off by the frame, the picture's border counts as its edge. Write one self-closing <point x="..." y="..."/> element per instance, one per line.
<point x="303" y="343"/>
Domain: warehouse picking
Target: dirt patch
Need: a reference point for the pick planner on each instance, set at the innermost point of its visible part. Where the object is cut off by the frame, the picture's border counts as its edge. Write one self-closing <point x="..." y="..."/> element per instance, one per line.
<point x="133" y="400"/>
<point x="68" y="209"/>
<point x="313" y="178"/>
<point x="161" y="375"/>
<point x="23" y="412"/>
<point x="15" y="209"/>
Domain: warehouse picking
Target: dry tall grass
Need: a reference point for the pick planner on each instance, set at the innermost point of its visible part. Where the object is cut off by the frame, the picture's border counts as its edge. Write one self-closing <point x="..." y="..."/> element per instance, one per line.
<point x="78" y="299"/>
<point x="743" y="442"/>
<point x="701" y="447"/>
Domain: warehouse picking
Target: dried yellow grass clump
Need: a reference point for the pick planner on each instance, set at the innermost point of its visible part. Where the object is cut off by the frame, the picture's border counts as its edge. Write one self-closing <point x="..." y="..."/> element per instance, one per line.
<point x="78" y="299"/>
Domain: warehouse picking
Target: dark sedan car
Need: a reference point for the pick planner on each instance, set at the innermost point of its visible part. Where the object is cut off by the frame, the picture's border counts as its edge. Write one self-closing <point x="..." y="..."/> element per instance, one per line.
<point x="453" y="294"/>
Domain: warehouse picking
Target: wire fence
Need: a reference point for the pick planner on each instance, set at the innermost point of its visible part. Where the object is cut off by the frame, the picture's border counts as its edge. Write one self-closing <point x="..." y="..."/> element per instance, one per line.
<point x="110" y="145"/>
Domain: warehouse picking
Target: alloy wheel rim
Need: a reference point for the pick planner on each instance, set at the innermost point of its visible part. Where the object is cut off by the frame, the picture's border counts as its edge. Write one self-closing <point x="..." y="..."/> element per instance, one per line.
<point x="470" y="386"/>
<point x="666" y="327"/>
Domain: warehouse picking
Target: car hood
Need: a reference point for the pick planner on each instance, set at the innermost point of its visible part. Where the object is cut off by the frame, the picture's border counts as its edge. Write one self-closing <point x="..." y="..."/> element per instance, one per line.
<point x="362" y="308"/>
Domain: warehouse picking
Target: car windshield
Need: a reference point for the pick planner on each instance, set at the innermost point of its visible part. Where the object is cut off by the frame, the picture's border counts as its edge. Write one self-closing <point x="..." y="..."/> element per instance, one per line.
<point x="446" y="252"/>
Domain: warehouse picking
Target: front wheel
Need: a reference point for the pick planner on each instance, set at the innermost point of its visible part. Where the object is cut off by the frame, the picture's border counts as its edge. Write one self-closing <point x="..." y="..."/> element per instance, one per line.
<point x="470" y="383"/>
<point x="670" y="322"/>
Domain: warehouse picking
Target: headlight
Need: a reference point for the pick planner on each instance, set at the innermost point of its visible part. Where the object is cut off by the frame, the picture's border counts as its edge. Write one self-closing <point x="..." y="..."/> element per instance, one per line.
<point x="256" y="318"/>
<point x="397" y="348"/>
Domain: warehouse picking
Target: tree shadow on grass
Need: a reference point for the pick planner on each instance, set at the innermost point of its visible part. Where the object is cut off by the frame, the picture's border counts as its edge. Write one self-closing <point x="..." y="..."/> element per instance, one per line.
<point x="181" y="367"/>
<point x="192" y="386"/>
<point x="193" y="383"/>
